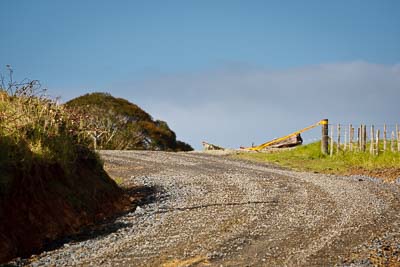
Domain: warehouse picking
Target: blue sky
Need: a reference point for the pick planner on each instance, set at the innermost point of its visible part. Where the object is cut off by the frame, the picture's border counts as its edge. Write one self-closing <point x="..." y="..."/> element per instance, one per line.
<point x="200" y="63"/>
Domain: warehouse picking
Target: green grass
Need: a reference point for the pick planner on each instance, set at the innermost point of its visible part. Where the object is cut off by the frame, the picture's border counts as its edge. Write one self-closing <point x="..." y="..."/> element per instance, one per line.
<point x="118" y="180"/>
<point x="309" y="158"/>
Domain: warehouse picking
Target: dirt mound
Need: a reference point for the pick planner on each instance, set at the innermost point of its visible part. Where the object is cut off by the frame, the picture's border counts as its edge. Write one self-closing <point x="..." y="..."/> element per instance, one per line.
<point x="45" y="202"/>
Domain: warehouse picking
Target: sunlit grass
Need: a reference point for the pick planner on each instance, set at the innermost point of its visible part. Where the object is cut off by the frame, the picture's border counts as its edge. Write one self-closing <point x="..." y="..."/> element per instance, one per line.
<point x="35" y="130"/>
<point x="309" y="158"/>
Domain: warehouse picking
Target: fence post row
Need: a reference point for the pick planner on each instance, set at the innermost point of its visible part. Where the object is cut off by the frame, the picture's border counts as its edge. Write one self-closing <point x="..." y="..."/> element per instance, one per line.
<point x="347" y="142"/>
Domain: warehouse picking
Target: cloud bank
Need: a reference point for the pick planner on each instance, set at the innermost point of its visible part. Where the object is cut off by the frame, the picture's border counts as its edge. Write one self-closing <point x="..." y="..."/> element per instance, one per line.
<point x="234" y="107"/>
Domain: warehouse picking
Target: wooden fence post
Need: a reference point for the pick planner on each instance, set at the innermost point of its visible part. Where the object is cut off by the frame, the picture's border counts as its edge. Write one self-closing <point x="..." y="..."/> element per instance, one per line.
<point x="392" y="142"/>
<point x="377" y="141"/>
<point x="331" y="150"/>
<point x="358" y="139"/>
<point x="365" y="138"/>
<point x="324" y="137"/>
<point x="384" y="137"/>
<point x="345" y="139"/>
<point x="397" y="137"/>
<point x="372" y="144"/>
<point x="362" y="137"/>
<point x="351" y="133"/>
<point x="338" y="138"/>
<point x="398" y="141"/>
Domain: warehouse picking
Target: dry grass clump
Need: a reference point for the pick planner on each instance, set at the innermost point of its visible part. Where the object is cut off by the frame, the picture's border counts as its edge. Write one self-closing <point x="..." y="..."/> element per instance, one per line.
<point x="33" y="127"/>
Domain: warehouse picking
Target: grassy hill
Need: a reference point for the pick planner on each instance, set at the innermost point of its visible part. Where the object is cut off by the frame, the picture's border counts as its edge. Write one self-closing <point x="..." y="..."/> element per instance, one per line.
<point x="115" y="123"/>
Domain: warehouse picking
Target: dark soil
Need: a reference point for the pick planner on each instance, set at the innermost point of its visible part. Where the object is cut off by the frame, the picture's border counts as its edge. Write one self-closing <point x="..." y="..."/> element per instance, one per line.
<point x="387" y="174"/>
<point x="47" y="202"/>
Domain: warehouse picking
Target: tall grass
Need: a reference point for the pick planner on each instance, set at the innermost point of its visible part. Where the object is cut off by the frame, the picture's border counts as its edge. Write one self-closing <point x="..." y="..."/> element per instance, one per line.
<point x="47" y="171"/>
<point x="34" y="128"/>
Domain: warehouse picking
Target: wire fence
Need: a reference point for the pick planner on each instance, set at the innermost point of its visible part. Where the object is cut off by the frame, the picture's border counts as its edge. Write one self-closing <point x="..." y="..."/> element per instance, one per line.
<point x="372" y="138"/>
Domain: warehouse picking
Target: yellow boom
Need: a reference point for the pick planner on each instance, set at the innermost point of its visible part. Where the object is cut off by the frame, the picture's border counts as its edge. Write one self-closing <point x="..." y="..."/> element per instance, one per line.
<point x="269" y="143"/>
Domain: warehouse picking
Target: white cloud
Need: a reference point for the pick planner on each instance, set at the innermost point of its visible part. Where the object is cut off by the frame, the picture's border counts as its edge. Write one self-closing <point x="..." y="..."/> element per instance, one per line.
<point x="234" y="107"/>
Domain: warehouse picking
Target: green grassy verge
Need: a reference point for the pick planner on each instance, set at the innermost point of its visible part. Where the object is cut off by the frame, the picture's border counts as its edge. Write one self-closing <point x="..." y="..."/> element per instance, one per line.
<point x="309" y="158"/>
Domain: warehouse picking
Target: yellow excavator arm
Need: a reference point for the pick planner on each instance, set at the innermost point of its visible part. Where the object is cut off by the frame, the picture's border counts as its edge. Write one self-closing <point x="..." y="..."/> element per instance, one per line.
<point x="269" y="143"/>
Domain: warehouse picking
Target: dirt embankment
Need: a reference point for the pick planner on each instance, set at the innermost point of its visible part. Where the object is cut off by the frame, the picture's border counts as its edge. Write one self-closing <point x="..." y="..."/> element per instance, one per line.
<point x="386" y="174"/>
<point x="45" y="203"/>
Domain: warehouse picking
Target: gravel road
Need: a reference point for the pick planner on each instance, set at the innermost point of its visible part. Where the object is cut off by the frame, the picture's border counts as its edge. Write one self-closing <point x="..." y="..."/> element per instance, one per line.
<point x="216" y="211"/>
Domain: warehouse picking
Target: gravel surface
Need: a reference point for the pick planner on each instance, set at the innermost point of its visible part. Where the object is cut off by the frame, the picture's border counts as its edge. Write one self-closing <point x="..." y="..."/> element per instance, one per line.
<point x="213" y="210"/>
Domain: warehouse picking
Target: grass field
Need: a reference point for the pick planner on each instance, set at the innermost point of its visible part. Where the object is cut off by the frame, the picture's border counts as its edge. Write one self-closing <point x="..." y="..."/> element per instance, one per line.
<point x="309" y="158"/>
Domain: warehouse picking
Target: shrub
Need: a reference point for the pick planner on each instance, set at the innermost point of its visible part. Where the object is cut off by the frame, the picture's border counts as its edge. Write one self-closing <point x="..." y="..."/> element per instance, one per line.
<point x="115" y="123"/>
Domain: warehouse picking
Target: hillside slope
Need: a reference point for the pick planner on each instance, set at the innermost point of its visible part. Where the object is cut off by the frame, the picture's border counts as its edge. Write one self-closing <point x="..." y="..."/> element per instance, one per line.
<point x="115" y="123"/>
<point x="51" y="183"/>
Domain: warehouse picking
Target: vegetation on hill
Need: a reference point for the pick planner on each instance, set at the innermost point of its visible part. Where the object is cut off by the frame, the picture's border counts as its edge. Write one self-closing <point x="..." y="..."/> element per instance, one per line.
<point x="51" y="182"/>
<point x="309" y="158"/>
<point x="115" y="123"/>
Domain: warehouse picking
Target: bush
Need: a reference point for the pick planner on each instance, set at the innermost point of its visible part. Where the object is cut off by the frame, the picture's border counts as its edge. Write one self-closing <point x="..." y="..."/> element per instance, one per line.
<point x="115" y="123"/>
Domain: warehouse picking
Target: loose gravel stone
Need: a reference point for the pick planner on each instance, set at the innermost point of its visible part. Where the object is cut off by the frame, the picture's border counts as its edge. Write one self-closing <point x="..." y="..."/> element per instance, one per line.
<point x="215" y="210"/>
